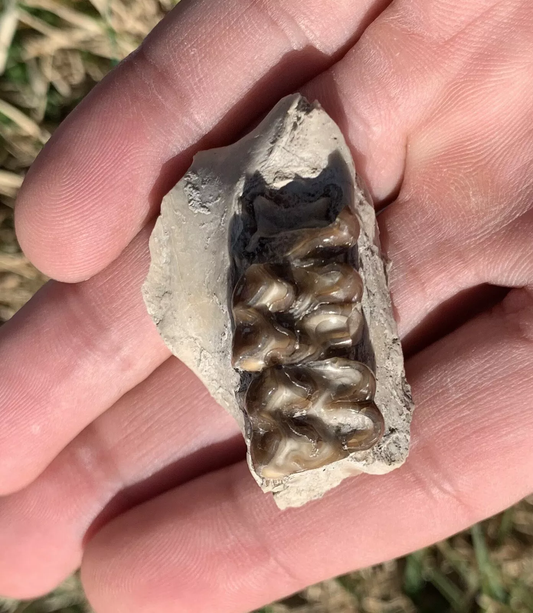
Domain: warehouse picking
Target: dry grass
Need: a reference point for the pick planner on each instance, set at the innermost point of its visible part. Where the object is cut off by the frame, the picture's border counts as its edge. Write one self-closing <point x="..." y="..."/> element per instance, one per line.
<point x="52" y="52"/>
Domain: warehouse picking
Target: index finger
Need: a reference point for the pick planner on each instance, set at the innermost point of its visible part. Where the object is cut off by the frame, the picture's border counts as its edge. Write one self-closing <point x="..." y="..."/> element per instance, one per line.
<point x="207" y="69"/>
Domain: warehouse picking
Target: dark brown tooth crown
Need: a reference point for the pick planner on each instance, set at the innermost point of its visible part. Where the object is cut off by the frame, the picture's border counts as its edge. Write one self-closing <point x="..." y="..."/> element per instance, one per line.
<point x="260" y="340"/>
<point x="296" y="324"/>
<point x="260" y="287"/>
<point x="338" y="236"/>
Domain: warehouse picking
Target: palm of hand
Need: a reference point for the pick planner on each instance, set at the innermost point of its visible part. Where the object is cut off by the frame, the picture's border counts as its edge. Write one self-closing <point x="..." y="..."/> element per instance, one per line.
<point x="435" y="100"/>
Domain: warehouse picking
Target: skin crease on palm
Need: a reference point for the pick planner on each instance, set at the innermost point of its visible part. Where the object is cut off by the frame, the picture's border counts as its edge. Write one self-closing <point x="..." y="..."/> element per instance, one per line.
<point x="113" y="455"/>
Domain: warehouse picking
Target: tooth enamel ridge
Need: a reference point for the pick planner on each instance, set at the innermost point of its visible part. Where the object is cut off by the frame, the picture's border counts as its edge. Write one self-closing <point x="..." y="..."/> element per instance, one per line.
<point x="267" y="280"/>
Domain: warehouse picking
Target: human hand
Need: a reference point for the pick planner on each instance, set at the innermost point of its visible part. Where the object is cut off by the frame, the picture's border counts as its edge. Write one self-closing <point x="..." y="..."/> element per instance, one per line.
<point x="435" y="99"/>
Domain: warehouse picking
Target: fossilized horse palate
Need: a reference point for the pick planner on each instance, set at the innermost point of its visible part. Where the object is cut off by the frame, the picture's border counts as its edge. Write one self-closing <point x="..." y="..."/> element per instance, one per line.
<point x="268" y="282"/>
<point x="297" y="318"/>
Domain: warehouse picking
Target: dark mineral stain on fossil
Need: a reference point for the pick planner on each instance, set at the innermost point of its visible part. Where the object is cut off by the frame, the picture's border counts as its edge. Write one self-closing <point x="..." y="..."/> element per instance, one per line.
<point x="297" y="330"/>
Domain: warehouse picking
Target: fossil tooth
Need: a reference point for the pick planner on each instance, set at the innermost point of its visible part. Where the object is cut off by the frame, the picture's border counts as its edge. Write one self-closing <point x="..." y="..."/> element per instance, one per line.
<point x="261" y="287"/>
<point x="305" y="417"/>
<point x="340" y="235"/>
<point x="276" y="389"/>
<point x="325" y="284"/>
<point x="295" y="453"/>
<point x="288" y="442"/>
<point x="331" y="326"/>
<point x="267" y="280"/>
<point x="365" y="438"/>
<point x="258" y="341"/>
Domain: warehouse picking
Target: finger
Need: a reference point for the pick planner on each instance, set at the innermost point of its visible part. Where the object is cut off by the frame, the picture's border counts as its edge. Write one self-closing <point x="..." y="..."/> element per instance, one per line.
<point x="434" y="96"/>
<point x="204" y="70"/>
<point x="69" y="354"/>
<point x="218" y="543"/>
<point x="164" y="432"/>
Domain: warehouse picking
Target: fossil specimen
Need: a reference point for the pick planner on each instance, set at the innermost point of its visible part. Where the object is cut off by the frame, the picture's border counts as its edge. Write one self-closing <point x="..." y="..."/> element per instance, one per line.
<point x="297" y="319"/>
<point x="267" y="281"/>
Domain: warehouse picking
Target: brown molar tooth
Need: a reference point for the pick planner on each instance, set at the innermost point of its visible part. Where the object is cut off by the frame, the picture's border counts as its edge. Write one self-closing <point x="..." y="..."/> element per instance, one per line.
<point x="340" y="235"/>
<point x="292" y="448"/>
<point x="258" y="341"/>
<point x="302" y="417"/>
<point x="334" y="282"/>
<point x="262" y="288"/>
<point x="286" y="438"/>
<point x="305" y="411"/>
<point x="331" y="326"/>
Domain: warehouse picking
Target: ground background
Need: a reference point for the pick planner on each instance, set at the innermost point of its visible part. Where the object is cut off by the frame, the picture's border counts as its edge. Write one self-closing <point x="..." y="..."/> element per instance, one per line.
<point x="52" y="52"/>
